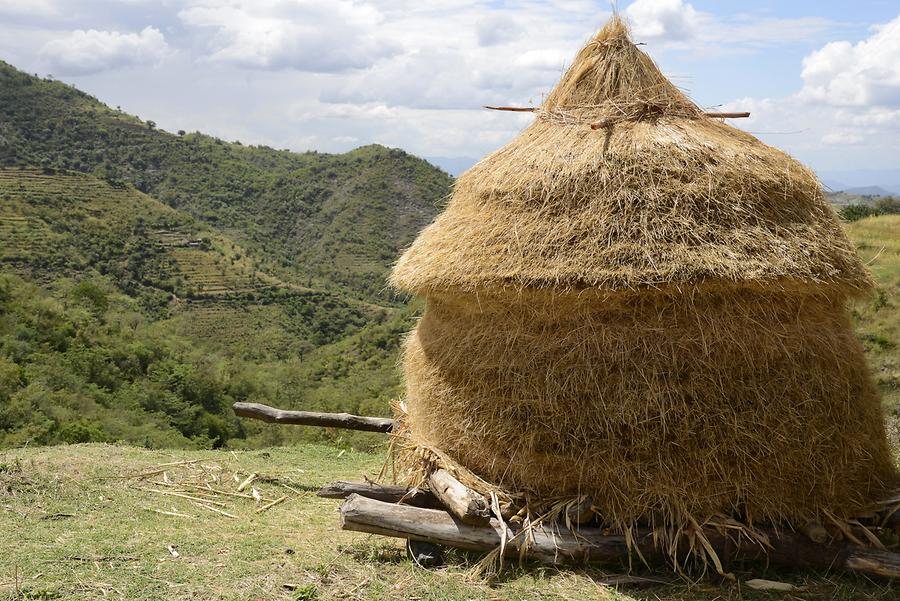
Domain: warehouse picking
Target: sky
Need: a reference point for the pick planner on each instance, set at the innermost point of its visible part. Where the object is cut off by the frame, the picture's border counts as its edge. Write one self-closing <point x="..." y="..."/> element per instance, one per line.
<point x="821" y="79"/>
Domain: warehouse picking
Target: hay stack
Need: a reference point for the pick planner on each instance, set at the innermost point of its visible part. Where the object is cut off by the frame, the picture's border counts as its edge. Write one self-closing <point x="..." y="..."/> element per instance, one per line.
<point x="652" y="314"/>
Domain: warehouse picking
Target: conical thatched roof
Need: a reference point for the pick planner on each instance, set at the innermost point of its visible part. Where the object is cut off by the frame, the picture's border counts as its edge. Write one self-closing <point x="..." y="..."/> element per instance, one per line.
<point x="661" y="195"/>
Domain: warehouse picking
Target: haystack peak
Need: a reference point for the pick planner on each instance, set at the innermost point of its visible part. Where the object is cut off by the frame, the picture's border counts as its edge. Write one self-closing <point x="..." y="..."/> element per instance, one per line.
<point x="612" y="76"/>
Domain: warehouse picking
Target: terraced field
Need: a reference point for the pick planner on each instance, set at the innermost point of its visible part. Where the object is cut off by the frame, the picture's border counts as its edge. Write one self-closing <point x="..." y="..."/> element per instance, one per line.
<point x="53" y="221"/>
<point x="70" y="225"/>
<point x="21" y="238"/>
<point x="234" y="323"/>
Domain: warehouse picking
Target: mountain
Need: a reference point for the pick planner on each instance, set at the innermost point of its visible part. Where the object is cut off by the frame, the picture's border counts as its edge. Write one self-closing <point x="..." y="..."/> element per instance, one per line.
<point x="842" y="180"/>
<point x="122" y="318"/>
<point x="148" y="280"/>
<point x="332" y="221"/>
<point x="868" y="191"/>
<point x="68" y="225"/>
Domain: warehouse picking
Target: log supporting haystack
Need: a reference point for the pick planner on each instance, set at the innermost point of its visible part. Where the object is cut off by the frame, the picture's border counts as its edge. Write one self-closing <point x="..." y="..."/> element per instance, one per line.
<point x="554" y="544"/>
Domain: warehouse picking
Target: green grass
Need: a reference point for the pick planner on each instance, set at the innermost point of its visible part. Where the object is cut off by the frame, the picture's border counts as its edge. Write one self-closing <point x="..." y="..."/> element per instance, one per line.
<point x="78" y="524"/>
<point x="877" y="319"/>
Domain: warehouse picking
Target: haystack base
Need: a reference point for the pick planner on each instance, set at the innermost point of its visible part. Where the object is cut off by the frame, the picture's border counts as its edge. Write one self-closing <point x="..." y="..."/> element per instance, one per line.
<point x="557" y="546"/>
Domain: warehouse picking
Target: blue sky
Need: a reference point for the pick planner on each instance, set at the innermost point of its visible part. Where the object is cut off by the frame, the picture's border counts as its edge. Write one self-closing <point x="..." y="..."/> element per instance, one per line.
<point x="822" y="79"/>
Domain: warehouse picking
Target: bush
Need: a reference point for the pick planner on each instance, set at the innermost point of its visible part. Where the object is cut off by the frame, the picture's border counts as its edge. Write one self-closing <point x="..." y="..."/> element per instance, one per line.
<point x="77" y="433"/>
<point x="856" y="212"/>
<point x="886" y="205"/>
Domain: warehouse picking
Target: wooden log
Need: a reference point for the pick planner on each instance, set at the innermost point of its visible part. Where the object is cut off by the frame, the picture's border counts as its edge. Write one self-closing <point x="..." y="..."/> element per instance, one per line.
<point x="461" y="501"/>
<point x="581" y="512"/>
<point x="554" y="545"/>
<point x="311" y="418"/>
<point x="512" y="109"/>
<point x="605" y="122"/>
<point x="387" y="493"/>
<point x="438" y="527"/>
<point x="816" y="532"/>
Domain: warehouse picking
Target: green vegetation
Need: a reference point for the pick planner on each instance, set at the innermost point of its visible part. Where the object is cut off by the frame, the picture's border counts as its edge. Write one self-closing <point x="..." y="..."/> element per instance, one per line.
<point x="136" y="259"/>
<point x="82" y="524"/>
<point x="887" y="205"/>
<point x="122" y="319"/>
<point x="85" y="363"/>
<point x="326" y="221"/>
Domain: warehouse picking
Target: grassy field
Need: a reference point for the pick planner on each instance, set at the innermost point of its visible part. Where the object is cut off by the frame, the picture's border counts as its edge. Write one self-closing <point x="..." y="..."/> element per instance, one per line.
<point x="877" y="240"/>
<point x="94" y="522"/>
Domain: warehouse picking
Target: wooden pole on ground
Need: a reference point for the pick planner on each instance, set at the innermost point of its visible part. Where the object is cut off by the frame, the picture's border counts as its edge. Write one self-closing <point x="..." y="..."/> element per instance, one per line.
<point x="387" y="493"/>
<point x="551" y="544"/>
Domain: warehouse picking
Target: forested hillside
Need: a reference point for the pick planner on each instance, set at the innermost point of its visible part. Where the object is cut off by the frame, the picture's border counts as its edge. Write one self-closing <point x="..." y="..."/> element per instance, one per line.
<point x="149" y="280"/>
<point x="325" y="220"/>
<point x="124" y="319"/>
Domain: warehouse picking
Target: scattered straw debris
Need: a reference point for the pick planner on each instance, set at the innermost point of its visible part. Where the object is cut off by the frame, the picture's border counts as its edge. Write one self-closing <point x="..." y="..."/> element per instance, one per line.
<point x="247" y="482"/>
<point x="206" y="485"/>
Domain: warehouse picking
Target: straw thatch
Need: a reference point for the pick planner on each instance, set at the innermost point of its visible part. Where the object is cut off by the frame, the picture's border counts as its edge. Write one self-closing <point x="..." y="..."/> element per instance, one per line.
<point x="652" y="314"/>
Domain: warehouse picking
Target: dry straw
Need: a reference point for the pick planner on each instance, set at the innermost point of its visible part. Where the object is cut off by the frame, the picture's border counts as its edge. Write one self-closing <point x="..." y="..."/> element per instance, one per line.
<point x="651" y="314"/>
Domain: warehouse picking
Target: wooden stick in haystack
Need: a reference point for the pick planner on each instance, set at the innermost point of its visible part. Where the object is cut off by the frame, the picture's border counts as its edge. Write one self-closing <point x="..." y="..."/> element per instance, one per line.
<point x="346" y="421"/>
<point x="603" y="123"/>
<point x="464" y="503"/>
<point x="556" y="545"/>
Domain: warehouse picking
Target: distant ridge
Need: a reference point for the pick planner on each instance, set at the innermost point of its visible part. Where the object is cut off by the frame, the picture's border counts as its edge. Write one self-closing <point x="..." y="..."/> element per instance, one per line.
<point x="868" y="191"/>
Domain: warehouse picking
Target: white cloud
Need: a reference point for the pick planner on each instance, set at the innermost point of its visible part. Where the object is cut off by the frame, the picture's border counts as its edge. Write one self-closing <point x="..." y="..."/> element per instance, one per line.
<point x="28" y="8"/>
<point x="496" y="29"/>
<point x="843" y="137"/>
<point x="470" y="55"/>
<point x="83" y="52"/>
<point x="330" y="74"/>
<point x="677" y="23"/>
<point x="863" y="74"/>
<point x="672" y="20"/>
<point x="306" y="35"/>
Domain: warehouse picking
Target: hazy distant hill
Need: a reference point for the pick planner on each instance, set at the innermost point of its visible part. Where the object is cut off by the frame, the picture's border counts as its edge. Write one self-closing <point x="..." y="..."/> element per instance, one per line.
<point x="867" y="191"/>
<point x="321" y="219"/>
